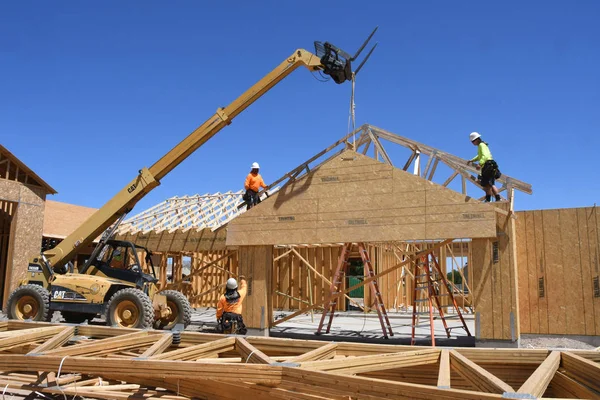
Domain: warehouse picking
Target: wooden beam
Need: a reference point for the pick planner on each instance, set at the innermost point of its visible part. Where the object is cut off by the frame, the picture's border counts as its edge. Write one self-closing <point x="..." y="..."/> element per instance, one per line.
<point x="377" y="362"/>
<point x="23" y="337"/>
<point x="148" y="368"/>
<point x="583" y="370"/>
<point x="106" y="346"/>
<point x="322" y="353"/>
<point x="450" y="179"/>
<point x="161" y="345"/>
<point x="567" y="387"/>
<point x="444" y="372"/>
<point x="538" y="382"/>
<point x="250" y="353"/>
<point x="477" y="376"/>
<point x="198" y="351"/>
<point x="57" y="341"/>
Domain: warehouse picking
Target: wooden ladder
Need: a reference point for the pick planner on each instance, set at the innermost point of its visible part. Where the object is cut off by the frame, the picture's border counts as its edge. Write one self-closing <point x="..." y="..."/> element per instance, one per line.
<point x="337" y="283"/>
<point x="428" y="283"/>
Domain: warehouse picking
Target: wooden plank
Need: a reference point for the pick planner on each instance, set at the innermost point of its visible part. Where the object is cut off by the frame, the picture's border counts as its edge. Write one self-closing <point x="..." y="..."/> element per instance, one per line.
<point x="148" y="368"/>
<point x="584" y="370"/>
<point x="106" y="346"/>
<point x="57" y="341"/>
<point x="573" y="281"/>
<point x="444" y="372"/>
<point x="538" y="382"/>
<point x="557" y="316"/>
<point x="585" y="258"/>
<point x="250" y="353"/>
<point x="18" y="338"/>
<point x="360" y="387"/>
<point x="477" y="376"/>
<point x="378" y="362"/>
<point x="160" y="346"/>
<point x="566" y="387"/>
<point x="198" y="351"/>
<point x="322" y="353"/>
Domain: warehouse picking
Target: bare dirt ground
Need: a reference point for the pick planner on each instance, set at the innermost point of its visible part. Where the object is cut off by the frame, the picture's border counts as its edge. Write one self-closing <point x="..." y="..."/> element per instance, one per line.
<point x="561" y="343"/>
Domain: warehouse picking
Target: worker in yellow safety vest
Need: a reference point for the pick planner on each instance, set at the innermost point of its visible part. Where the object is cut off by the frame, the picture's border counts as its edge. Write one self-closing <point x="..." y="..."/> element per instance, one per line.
<point x="489" y="167"/>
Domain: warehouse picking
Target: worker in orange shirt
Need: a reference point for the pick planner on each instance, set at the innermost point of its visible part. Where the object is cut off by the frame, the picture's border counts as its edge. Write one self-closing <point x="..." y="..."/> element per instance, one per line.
<point x="229" y="307"/>
<point x="252" y="185"/>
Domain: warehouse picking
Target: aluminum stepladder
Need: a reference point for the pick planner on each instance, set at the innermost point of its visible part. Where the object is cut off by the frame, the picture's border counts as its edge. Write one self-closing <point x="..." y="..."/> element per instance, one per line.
<point x="336" y="285"/>
<point x="428" y="281"/>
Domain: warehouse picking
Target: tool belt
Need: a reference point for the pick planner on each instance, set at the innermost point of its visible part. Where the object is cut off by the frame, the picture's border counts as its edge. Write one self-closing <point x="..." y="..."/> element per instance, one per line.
<point x="490" y="168"/>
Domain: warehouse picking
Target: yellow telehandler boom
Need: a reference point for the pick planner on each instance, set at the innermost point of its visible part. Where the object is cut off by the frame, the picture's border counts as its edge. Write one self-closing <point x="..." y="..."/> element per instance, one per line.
<point x="328" y="59"/>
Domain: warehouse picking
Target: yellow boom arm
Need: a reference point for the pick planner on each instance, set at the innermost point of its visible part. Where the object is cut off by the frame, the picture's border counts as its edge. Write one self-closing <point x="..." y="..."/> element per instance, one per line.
<point x="148" y="179"/>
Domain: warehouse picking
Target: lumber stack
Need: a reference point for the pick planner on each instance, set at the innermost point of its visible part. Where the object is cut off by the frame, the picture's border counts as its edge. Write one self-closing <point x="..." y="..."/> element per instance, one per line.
<point x="99" y="362"/>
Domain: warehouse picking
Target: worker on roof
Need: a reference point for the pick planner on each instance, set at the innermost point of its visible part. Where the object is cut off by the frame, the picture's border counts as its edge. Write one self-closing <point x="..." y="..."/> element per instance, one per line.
<point x="252" y="185"/>
<point x="489" y="167"/>
<point x="229" y="307"/>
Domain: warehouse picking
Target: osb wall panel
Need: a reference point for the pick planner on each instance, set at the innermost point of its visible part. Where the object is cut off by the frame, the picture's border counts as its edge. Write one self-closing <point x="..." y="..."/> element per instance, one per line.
<point x="255" y="262"/>
<point x="26" y="228"/>
<point x="355" y="198"/>
<point x="495" y="292"/>
<point x="178" y="241"/>
<point x="7" y="211"/>
<point x="558" y="271"/>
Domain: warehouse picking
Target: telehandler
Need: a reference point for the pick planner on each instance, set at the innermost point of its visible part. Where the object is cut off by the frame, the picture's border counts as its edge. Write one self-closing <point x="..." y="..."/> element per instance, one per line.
<point x="112" y="282"/>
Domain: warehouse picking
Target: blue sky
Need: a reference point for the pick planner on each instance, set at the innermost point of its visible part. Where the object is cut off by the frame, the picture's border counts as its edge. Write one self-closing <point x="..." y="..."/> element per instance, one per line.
<point x="90" y="92"/>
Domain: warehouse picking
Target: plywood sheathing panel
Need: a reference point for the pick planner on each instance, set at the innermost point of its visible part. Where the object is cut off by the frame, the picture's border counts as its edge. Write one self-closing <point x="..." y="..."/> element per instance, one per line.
<point x="355" y="198"/>
<point x="26" y="228"/>
<point x="560" y="248"/>
<point x="495" y="282"/>
<point x="255" y="262"/>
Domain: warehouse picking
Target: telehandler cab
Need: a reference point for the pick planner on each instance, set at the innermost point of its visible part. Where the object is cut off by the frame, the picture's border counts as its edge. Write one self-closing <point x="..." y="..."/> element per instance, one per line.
<point x="112" y="282"/>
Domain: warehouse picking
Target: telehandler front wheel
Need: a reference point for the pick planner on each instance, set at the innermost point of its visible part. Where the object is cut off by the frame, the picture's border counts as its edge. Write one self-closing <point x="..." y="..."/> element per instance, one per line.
<point x="29" y="302"/>
<point x="130" y="308"/>
<point x="181" y="311"/>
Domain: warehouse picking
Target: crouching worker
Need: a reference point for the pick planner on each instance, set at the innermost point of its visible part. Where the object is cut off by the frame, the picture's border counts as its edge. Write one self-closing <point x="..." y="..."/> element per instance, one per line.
<point x="229" y="308"/>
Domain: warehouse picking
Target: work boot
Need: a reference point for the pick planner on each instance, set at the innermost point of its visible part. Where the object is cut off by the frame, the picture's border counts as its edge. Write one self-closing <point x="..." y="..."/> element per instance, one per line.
<point x="488" y="199"/>
<point x="498" y="198"/>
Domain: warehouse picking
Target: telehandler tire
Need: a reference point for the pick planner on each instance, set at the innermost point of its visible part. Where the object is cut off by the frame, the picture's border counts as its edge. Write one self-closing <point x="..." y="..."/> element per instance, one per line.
<point x="130" y="308"/>
<point x="29" y="302"/>
<point x="76" y="318"/>
<point x="181" y="311"/>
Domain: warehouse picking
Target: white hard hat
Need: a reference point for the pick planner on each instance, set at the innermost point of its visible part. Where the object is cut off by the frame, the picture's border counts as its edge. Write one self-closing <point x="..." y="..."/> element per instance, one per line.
<point x="231" y="283"/>
<point x="474" y="135"/>
<point x="255" y="165"/>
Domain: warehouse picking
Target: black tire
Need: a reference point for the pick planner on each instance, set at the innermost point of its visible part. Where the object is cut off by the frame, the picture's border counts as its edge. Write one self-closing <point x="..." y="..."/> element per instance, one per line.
<point x="76" y="318"/>
<point x="134" y="302"/>
<point x="182" y="314"/>
<point x="29" y="302"/>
